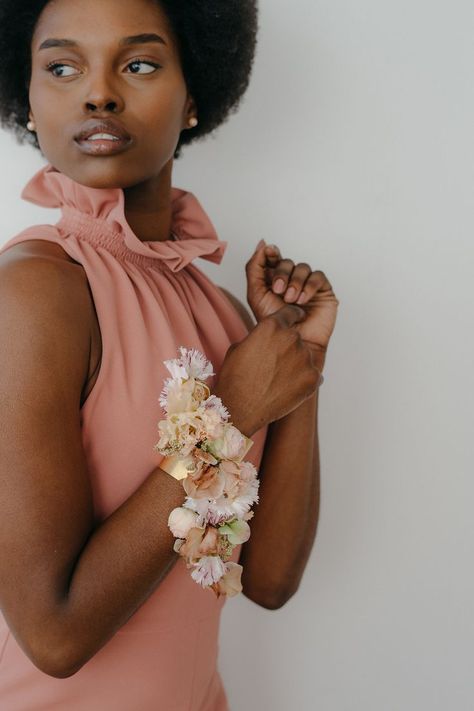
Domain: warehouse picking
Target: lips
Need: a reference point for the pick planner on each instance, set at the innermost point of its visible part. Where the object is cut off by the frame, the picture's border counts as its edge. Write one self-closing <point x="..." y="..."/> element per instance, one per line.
<point x="117" y="139"/>
<point x="111" y="126"/>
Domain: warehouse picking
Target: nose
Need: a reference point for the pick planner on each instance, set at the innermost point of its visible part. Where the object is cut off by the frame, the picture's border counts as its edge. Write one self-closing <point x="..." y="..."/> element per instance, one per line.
<point x="101" y="96"/>
<point x="99" y="105"/>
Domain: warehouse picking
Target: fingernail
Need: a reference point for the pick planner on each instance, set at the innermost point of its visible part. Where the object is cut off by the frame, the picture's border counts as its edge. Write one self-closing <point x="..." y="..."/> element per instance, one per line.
<point x="301" y="298"/>
<point x="290" y="294"/>
<point x="279" y="286"/>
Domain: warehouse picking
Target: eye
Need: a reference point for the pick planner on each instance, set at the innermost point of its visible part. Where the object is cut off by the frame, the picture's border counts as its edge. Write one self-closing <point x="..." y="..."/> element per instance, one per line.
<point x="59" y="65"/>
<point x="53" y="65"/>
<point x="143" y="61"/>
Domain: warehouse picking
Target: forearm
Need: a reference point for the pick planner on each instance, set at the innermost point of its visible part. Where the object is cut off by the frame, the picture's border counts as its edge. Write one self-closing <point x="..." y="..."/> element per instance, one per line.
<point x="124" y="560"/>
<point x="284" y="524"/>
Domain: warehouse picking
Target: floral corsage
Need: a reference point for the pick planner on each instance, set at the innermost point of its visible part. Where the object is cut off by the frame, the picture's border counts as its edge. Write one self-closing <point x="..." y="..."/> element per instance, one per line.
<point x="204" y="449"/>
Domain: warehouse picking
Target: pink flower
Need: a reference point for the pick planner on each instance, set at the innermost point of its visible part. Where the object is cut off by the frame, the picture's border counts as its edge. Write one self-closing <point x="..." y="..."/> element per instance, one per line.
<point x="208" y="570"/>
<point x="240" y="488"/>
<point x="205" y="482"/>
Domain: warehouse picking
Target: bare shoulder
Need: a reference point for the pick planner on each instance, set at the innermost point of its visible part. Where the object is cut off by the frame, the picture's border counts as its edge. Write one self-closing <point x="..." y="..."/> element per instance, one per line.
<point x="239" y="306"/>
<point x="44" y="271"/>
<point x="36" y="248"/>
<point x="39" y="277"/>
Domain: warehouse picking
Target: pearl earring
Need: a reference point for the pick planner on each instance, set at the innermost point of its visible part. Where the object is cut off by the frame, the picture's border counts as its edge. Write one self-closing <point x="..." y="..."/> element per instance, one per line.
<point x="192" y="122"/>
<point x="31" y="126"/>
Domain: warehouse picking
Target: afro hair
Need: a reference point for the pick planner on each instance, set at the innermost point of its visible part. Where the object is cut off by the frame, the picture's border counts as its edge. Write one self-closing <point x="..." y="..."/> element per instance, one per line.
<point x="216" y="41"/>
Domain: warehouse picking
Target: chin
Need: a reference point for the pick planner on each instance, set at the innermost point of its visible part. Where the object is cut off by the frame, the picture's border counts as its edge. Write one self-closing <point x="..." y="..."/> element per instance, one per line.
<point x="94" y="172"/>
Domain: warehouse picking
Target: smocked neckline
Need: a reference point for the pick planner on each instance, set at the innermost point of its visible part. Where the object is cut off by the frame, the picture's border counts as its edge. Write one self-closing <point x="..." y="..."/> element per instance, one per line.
<point x="97" y="215"/>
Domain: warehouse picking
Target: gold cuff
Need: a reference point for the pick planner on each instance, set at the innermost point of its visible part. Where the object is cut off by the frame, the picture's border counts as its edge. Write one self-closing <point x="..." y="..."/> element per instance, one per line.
<point x="174" y="466"/>
<point x="248" y="444"/>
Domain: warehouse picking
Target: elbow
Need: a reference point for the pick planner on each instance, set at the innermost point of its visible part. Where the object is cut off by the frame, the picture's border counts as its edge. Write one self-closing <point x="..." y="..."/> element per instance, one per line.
<point x="271" y="598"/>
<point x="61" y="670"/>
<point x="276" y="601"/>
<point x="58" y="659"/>
<point x="57" y="665"/>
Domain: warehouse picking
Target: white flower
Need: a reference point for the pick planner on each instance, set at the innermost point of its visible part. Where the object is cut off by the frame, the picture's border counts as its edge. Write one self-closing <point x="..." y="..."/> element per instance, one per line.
<point x="181" y="520"/>
<point x="222" y="508"/>
<point x="212" y="423"/>
<point x="180" y="431"/>
<point x="200" y="506"/>
<point x="231" y="445"/>
<point x="214" y="403"/>
<point x="177" y="544"/>
<point x="191" y="364"/>
<point x="208" y="570"/>
<point x="177" y="369"/>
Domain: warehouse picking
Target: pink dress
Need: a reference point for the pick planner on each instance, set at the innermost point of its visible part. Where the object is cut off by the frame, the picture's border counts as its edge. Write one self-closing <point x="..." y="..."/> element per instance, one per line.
<point x="150" y="298"/>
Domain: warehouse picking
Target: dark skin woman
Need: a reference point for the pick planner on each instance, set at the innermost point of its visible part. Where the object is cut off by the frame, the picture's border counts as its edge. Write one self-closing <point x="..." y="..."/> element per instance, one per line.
<point x="56" y="568"/>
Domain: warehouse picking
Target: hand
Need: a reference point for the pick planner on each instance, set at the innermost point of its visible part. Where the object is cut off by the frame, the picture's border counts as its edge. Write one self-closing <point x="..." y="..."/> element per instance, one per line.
<point x="299" y="285"/>
<point x="267" y="374"/>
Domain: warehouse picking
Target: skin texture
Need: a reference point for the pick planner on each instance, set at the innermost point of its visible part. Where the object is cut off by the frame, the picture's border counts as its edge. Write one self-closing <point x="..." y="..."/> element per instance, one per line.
<point x="59" y="569"/>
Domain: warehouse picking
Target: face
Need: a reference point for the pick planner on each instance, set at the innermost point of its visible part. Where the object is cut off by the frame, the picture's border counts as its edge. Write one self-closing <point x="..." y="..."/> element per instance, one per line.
<point x="139" y="83"/>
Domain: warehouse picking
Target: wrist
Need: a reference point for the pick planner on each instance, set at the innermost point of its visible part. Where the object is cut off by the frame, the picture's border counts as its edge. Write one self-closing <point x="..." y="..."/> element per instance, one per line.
<point x="239" y="416"/>
<point x="318" y="355"/>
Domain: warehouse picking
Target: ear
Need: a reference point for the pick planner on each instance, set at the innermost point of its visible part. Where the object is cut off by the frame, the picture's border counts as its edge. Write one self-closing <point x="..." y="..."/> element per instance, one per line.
<point x="190" y="110"/>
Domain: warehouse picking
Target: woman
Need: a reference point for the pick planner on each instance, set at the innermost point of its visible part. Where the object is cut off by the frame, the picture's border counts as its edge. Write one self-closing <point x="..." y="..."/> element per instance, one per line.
<point x="99" y="611"/>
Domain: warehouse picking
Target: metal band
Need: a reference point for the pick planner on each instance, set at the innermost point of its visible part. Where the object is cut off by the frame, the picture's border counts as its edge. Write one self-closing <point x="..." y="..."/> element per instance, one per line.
<point x="248" y="444"/>
<point x="174" y="466"/>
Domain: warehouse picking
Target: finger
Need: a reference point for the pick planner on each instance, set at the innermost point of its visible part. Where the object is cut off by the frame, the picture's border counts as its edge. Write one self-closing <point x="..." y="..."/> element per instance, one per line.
<point x="299" y="275"/>
<point x="272" y="254"/>
<point x="313" y="283"/>
<point x="288" y="315"/>
<point x="281" y="275"/>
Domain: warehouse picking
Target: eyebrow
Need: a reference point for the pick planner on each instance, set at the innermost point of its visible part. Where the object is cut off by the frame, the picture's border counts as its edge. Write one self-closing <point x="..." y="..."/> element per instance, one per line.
<point x="125" y="41"/>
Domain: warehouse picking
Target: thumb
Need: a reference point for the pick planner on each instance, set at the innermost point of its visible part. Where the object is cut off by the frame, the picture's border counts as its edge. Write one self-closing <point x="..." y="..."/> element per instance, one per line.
<point x="288" y="315"/>
<point x="255" y="267"/>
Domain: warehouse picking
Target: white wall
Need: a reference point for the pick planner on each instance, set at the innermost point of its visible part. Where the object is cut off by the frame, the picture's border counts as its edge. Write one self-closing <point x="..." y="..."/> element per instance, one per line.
<point x="354" y="151"/>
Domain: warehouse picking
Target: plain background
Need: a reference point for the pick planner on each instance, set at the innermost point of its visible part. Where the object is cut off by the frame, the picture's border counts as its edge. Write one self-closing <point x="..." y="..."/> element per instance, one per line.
<point x="353" y="150"/>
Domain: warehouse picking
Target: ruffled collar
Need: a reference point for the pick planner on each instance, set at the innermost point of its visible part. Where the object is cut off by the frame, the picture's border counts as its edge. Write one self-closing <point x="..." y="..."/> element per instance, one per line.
<point x="98" y="216"/>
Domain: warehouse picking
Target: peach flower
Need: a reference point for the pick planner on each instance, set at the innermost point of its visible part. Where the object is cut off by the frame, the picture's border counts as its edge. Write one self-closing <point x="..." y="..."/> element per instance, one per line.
<point x="181" y="520"/>
<point x="230" y="583"/>
<point x="205" y="482"/>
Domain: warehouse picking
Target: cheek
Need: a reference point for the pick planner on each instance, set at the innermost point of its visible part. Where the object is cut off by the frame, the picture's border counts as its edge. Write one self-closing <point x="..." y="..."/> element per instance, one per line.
<point x="52" y="114"/>
<point x="166" y="108"/>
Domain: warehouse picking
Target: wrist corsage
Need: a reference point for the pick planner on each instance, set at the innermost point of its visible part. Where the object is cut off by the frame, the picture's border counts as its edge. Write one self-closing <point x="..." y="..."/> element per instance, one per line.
<point x="205" y="451"/>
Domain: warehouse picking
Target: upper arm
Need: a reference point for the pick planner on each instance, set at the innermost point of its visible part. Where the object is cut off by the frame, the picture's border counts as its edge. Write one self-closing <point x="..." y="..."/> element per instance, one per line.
<point x="46" y="509"/>
<point x="238" y="305"/>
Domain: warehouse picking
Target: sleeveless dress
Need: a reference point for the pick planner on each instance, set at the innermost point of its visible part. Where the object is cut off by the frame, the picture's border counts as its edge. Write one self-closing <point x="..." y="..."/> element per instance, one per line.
<point x="149" y="298"/>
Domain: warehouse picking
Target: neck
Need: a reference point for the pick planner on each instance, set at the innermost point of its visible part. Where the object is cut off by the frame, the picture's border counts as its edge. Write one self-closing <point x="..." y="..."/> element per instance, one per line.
<point x="148" y="207"/>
